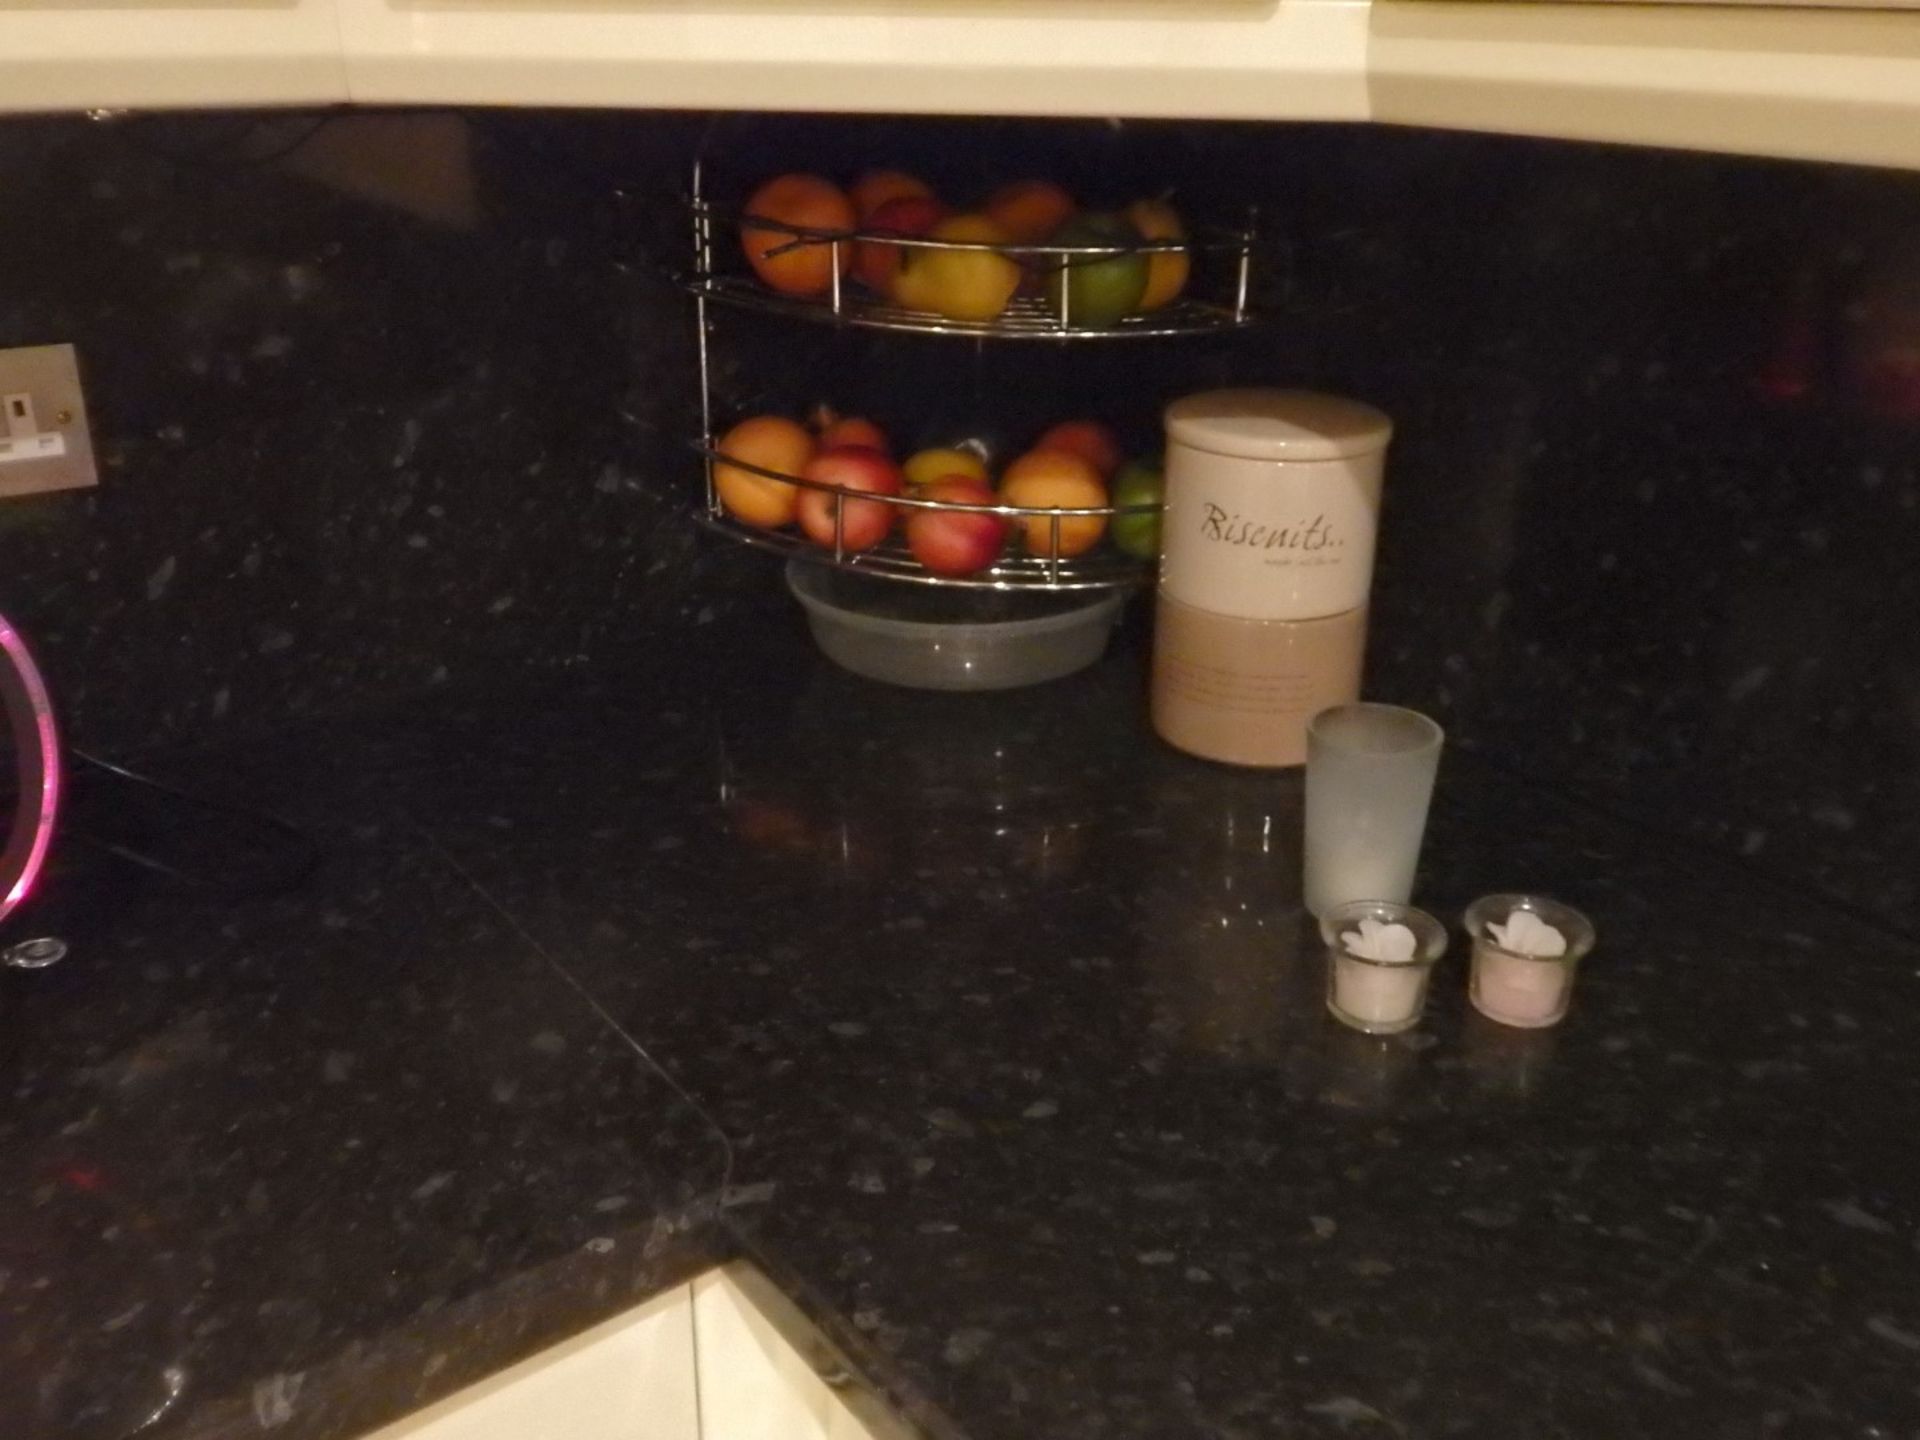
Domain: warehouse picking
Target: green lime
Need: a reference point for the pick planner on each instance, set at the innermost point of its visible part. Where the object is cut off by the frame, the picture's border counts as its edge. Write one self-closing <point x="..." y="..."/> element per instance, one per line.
<point x="1100" y="290"/>
<point x="1139" y="482"/>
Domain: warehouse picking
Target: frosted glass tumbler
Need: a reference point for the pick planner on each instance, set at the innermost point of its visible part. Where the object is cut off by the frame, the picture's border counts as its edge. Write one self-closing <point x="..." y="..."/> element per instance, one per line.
<point x="1370" y="772"/>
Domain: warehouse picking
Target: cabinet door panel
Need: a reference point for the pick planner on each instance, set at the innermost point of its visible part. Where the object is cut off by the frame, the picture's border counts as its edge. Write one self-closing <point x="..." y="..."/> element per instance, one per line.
<point x="631" y="1378"/>
<point x="73" y="54"/>
<point x="754" y="1385"/>
<point x="761" y="1364"/>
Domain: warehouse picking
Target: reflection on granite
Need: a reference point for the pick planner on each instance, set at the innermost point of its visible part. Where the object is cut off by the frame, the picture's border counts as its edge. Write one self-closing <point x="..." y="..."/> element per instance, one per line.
<point x="309" y="1161"/>
<point x="1012" y="1016"/>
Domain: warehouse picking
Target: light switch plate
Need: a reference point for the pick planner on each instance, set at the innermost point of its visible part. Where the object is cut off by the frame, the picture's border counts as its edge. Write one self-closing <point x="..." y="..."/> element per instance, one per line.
<point x="44" y="440"/>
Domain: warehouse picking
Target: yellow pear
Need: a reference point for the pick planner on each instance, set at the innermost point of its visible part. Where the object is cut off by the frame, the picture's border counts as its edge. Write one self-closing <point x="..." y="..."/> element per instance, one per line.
<point x="1166" y="269"/>
<point x="927" y="467"/>
<point x="959" y="284"/>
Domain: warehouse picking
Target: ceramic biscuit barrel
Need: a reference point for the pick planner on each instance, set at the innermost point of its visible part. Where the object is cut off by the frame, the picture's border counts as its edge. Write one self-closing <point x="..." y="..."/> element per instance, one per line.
<point x="1272" y="506"/>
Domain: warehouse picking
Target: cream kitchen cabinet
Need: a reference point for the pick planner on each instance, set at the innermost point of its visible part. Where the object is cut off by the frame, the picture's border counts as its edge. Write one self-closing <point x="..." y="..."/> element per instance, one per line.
<point x="726" y="1357"/>
<point x="629" y="1378"/>
<point x="1815" y="84"/>
<point x="1827" y="83"/>
<point x="82" y="54"/>
<point x="1254" y="59"/>
<point x="767" y="1374"/>
<point x="1823" y="83"/>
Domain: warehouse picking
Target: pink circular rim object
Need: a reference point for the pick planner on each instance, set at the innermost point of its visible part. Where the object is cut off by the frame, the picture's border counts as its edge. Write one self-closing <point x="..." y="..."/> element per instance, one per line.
<point x="29" y="711"/>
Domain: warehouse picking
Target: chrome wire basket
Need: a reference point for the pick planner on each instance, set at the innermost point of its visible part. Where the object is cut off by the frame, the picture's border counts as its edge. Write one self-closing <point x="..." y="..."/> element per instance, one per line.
<point x="1100" y="568"/>
<point x="1216" y="302"/>
<point x="1027" y="317"/>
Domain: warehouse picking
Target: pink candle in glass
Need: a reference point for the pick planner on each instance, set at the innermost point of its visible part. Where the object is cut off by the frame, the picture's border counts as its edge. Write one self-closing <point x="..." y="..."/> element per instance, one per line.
<point x="1525" y="950"/>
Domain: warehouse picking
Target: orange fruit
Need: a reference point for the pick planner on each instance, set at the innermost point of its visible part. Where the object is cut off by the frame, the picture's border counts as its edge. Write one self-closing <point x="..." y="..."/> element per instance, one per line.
<point x="1029" y="210"/>
<point x="1089" y="439"/>
<point x="876" y="187"/>
<point x="1166" y="269"/>
<point x="772" y="442"/>
<point x="805" y="202"/>
<point x="1044" y="479"/>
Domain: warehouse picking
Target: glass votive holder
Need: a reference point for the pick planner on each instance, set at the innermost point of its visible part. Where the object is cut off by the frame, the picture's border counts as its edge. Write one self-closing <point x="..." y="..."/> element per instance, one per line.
<point x="1376" y="995"/>
<point x="1510" y="983"/>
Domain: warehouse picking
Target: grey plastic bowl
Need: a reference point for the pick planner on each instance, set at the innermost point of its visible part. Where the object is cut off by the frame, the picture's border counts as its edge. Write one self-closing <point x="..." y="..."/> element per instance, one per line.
<point x="930" y="637"/>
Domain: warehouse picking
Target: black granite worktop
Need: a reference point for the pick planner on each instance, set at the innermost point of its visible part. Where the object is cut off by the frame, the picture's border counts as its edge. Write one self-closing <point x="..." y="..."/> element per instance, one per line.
<point x="1011" y="1022"/>
<point x="293" y="1163"/>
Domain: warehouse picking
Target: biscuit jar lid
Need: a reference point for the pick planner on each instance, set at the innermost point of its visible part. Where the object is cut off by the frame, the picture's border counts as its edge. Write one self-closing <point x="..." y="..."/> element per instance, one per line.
<point x="1273" y="424"/>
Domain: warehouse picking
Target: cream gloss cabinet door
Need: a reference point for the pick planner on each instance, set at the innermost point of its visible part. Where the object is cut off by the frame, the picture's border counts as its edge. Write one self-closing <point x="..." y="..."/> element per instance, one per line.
<point x="631" y="1378"/>
<point x="1826" y="83"/>
<point x="767" y="1374"/>
<point x="1238" y="59"/>
<point x="169" y="54"/>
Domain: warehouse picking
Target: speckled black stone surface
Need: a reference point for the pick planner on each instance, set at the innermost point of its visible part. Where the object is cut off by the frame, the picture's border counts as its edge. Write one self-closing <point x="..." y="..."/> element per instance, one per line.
<point x="1012" y="1021"/>
<point x="346" y="452"/>
<point x="1655" y="481"/>
<point x="1016" y="1011"/>
<point x="297" y="1163"/>
<point x="1652" y="499"/>
<point x="1008" y="1014"/>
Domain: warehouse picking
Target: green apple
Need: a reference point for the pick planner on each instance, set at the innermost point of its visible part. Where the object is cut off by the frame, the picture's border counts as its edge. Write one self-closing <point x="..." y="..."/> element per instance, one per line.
<point x="1139" y="482"/>
<point x="1102" y="290"/>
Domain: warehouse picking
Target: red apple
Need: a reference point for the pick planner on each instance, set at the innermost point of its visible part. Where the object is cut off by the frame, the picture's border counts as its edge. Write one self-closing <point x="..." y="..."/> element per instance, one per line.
<point x="853" y="430"/>
<point x="863" y="523"/>
<point x="956" y="542"/>
<point x="875" y="264"/>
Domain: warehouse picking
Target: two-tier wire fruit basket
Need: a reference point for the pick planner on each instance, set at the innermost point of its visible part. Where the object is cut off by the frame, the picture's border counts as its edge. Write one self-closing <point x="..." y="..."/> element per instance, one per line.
<point x="1216" y="301"/>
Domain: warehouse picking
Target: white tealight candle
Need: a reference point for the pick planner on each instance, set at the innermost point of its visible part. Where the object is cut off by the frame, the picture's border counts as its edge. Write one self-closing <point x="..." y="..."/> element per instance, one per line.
<point x="1379" y="976"/>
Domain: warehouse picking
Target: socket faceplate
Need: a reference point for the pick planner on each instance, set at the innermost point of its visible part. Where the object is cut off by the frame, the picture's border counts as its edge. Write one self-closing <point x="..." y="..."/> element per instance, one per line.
<point x="44" y="440"/>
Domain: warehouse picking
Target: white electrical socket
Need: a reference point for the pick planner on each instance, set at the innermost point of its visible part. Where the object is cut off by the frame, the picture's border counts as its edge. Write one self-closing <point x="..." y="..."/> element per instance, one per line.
<point x="44" y="442"/>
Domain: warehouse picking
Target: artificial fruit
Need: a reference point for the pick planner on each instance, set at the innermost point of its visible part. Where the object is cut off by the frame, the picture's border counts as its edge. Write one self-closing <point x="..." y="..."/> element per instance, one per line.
<point x="771" y="442"/>
<point x="956" y="543"/>
<point x="1089" y="439"/>
<point x="1139" y="482"/>
<point x="803" y="202"/>
<point x="1167" y="270"/>
<point x="928" y="467"/>
<point x="1054" y="479"/>
<point x="1029" y="210"/>
<point x="971" y="285"/>
<point x="1095" y="291"/>
<point x="836" y="430"/>
<point x="876" y="264"/>
<point x="875" y="188"/>
<point x="861" y="524"/>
